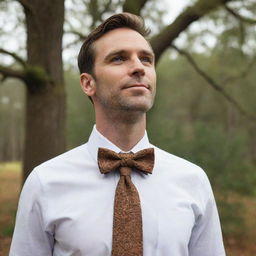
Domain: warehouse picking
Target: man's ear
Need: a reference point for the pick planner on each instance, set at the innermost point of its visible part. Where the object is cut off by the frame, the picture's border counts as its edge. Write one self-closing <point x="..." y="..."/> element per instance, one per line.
<point x="87" y="83"/>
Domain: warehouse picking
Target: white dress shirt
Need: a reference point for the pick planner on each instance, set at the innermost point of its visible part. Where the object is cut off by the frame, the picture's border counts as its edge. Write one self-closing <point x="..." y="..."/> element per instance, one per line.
<point x="66" y="206"/>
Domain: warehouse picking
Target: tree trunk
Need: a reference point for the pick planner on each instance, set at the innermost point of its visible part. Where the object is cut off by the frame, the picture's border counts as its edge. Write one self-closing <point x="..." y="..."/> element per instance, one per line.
<point x="45" y="109"/>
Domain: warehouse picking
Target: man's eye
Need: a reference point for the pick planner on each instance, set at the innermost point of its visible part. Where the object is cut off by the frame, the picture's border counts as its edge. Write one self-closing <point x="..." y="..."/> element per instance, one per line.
<point x="146" y="59"/>
<point x="118" y="59"/>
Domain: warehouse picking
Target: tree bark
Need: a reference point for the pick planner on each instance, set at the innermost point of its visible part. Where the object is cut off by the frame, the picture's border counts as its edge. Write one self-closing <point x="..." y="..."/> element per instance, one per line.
<point x="45" y="97"/>
<point x="134" y="6"/>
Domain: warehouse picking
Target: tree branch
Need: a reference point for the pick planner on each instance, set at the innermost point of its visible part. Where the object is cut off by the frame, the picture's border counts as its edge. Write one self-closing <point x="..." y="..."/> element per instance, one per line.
<point x="240" y="17"/>
<point x="77" y="33"/>
<point x="106" y="8"/>
<point x="9" y="72"/>
<point x="163" y="40"/>
<point x="76" y="41"/>
<point x="26" y="5"/>
<point x="213" y="83"/>
<point x="243" y="74"/>
<point x="93" y="7"/>
<point x="134" y="6"/>
<point x="15" y="56"/>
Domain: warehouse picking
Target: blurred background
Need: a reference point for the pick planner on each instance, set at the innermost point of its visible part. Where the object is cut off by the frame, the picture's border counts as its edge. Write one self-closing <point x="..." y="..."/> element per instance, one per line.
<point x="205" y="109"/>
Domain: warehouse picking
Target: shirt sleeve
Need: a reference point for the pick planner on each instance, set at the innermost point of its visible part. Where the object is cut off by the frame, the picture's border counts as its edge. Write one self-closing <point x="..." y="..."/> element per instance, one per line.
<point x="206" y="238"/>
<point x="30" y="237"/>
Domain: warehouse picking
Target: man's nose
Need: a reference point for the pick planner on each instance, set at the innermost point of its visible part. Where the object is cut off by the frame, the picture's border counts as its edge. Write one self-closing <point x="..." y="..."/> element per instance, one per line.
<point x="137" y="68"/>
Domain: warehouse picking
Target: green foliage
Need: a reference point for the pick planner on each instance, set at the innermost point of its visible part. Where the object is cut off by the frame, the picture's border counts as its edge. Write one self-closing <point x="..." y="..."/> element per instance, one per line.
<point x="233" y="224"/>
<point x="222" y="158"/>
<point x="193" y="121"/>
<point x="12" y="123"/>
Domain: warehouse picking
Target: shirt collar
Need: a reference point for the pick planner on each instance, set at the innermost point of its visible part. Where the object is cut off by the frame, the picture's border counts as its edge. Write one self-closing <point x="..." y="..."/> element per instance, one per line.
<point x="97" y="140"/>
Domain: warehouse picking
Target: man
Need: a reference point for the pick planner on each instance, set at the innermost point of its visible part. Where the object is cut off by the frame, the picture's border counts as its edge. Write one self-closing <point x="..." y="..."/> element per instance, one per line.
<point x="67" y="204"/>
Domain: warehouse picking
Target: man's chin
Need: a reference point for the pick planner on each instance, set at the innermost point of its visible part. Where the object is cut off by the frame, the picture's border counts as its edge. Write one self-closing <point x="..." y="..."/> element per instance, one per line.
<point x="136" y="106"/>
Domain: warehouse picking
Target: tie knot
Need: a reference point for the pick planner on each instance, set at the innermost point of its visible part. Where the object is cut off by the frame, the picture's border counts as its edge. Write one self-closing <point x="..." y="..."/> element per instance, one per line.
<point x="126" y="159"/>
<point x="125" y="171"/>
<point x="126" y="162"/>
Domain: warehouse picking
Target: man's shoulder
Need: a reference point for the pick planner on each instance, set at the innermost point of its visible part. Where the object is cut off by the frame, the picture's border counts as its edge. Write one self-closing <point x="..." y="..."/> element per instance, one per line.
<point x="70" y="155"/>
<point x="168" y="161"/>
<point x="170" y="158"/>
<point x="65" y="161"/>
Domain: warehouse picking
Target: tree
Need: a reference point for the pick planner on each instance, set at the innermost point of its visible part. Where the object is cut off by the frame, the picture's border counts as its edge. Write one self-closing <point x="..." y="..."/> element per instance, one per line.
<point x="42" y="72"/>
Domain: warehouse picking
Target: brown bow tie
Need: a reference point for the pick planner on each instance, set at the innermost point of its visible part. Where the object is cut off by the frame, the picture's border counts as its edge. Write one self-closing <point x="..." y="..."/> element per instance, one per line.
<point x="127" y="222"/>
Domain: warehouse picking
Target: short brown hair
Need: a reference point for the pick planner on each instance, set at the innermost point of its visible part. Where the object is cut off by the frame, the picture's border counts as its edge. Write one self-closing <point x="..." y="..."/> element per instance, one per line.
<point x="86" y="55"/>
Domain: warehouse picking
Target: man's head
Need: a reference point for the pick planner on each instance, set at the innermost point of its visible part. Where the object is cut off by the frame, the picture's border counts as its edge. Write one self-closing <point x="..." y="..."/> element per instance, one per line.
<point x="86" y="55"/>
<point x="117" y="65"/>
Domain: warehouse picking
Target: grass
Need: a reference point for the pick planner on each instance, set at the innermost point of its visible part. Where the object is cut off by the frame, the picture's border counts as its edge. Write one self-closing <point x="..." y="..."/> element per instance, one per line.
<point x="10" y="166"/>
<point x="10" y="180"/>
<point x="237" y="243"/>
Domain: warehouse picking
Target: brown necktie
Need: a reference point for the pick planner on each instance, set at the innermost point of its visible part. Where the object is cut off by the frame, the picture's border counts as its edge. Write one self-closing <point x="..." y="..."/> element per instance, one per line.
<point x="127" y="222"/>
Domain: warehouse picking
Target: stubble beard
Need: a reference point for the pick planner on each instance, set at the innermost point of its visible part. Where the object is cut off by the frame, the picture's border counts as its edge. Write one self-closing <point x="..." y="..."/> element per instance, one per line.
<point x="128" y="109"/>
<point x="127" y="103"/>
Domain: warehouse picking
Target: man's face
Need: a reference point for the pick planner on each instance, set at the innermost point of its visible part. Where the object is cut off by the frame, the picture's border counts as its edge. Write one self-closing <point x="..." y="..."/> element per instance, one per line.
<point x="124" y="71"/>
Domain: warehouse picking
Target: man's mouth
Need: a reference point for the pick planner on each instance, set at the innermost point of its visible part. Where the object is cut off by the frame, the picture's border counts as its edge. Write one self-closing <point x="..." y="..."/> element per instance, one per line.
<point x="137" y="85"/>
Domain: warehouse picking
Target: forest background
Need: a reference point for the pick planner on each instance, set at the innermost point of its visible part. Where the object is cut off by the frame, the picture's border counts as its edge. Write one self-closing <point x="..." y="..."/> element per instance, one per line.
<point x="205" y="104"/>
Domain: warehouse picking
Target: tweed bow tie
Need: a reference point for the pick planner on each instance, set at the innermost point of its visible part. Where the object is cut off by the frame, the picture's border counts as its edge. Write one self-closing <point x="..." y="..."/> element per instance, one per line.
<point x="109" y="160"/>
<point x="127" y="221"/>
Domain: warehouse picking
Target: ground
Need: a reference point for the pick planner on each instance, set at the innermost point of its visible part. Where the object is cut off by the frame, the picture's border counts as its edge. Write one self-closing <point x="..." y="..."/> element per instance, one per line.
<point x="10" y="180"/>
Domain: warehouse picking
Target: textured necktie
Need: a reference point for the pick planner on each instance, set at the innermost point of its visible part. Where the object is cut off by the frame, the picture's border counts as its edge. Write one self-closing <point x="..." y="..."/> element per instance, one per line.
<point x="127" y="221"/>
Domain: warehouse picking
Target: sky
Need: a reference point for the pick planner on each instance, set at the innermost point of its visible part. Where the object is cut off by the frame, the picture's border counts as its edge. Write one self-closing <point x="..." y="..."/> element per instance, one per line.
<point x="174" y="8"/>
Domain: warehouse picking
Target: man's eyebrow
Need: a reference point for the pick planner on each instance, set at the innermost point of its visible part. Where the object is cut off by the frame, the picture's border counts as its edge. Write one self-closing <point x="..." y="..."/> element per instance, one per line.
<point x="122" y="52"/>
<point x="114" y="53"/>
<point x="149" y="53"/>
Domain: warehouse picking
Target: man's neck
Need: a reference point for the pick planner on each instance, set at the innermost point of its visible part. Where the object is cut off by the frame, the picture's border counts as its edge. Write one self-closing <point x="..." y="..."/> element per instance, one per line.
<point x="123" y="133"/>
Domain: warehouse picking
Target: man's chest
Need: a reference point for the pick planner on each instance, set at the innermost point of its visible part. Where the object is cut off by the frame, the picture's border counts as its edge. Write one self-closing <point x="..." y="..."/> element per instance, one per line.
<point x="82" y="225"/>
